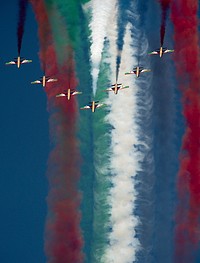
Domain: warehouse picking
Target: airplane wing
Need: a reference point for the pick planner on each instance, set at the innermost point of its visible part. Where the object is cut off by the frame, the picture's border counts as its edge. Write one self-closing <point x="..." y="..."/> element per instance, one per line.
<point x="145" y="70"/>
<point x="108" y="89"/>
<point x="90" y="103"/>
<point x="169" y="50"/>
<point x="10" y="63"/>
<point x="76" y="93"/>
<point x="26" y="61"/>
<point x="51" y="80"/>
<point x="130" y="73"/>
<point x="118" y="84"/>
<point x="36" y="82"/>
<point x="153" y="53"/>
<point x="124" y="87"/>
<point x="85" y="107"/>
<point x="100" y="105"/>
<point x="61" y="95"/>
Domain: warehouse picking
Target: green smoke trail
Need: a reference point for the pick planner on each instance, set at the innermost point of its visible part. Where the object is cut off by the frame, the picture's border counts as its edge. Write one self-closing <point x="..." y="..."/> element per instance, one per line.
<point x="60" y="34"/>
<point x="102" y="173"/>
<point x="63" y="239"/>
<point x="93" y="131"/>
<point x="94" y="141"/>
<point x="85" y="136"/>
<point x="74" y="23"/>
<point x="70" y="12"/>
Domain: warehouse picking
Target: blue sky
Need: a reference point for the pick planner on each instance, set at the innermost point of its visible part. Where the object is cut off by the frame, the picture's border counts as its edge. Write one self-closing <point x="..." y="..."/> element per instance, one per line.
<point x="24" y="144"/>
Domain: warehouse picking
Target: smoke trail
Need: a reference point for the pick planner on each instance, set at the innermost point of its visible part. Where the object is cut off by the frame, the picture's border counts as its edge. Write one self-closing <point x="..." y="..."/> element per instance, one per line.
<point x="78" y="34"/>
<point x="100" y="159"/>
<point x="46" y="43"/>
<point x="63" y="240"/>
<point x="185" y="19"/>
<point x="164" y="6"/>
<point x="70" y="11"/>
<point x="101" y="155"/>
<point x="100" y="22"/>
<point x="85" y="136"/>
<point x="123" y="18"/>
<point x="123" y="244"/>
<point x="143" y="117"/>
<point x="101" y="142"/>
<point x="126" y="15"/>
<point x="22" y="17"/>
<point x="165" y="143"/>
<point x="73" y="11"/>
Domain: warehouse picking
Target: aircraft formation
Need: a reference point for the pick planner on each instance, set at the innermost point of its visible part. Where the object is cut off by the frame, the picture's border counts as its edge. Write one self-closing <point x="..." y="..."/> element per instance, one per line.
<point x="92" y="105"/>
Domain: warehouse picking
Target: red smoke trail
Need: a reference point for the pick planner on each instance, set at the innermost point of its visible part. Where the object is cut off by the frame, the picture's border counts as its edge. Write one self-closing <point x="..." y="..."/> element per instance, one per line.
<point x="63" y="240"/>
<point x="187" y="234"/>
<point x="164" y="6"/>
<point x="22" y="18"/>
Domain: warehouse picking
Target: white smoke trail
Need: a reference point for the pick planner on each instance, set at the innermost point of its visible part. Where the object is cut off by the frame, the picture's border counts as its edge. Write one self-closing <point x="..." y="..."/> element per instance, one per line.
<point x="102" y="11"/>
<point x="125" y="159"/>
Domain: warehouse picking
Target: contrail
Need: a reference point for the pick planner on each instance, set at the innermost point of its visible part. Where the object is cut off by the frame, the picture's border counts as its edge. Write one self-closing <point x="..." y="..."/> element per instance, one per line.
<point x="100" y="23"/>
<point x="123" y="245"/>
<point x="22" y="17"/>
<point x="184" y="14"/>
<point x="63" y="239"/>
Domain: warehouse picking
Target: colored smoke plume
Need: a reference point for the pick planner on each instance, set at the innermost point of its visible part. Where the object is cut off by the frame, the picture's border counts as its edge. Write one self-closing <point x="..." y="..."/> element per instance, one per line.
<point x="123" y="243"/>
<point x="63" y="239"/>
<point x="22" y="17"/>
<point x="164" y="6"/>
<point x="101" y="13"/>
<point x="184" y="15"/>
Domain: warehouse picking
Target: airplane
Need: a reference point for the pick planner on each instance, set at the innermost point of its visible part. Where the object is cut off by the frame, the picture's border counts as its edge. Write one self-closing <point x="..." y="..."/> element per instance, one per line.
<point x="18" y="61"/>
<point x="93" y="105"/>
<point x="43" y="80"/>
<point x="68" y="94"/>
<point x="161" y="51"/>
<point x="137" y="70"/>
<point x="116" y="87"/>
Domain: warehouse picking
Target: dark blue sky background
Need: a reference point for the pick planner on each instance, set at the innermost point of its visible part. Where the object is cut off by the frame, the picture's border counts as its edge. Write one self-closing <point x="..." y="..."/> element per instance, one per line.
<point x="24" y="144"/>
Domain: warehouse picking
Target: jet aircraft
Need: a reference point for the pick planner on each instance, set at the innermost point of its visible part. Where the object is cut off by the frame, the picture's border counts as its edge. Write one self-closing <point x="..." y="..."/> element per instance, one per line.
<point x="93" y="105"/>
<point x="18" y="61"/>
<point x="68" y="94"/>
<point x="137" y="70"/>
<point x="116" y="87"/>
<point x="43" y="80"/>
<point x="161" y="51"/>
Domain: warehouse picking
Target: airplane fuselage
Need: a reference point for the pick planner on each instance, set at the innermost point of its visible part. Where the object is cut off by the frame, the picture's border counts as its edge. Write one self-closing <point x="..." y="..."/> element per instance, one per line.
<point x="137" y="72"/>
<point x="68" y="94"/>
<point x="116" y="89"/>
<point x="93" y="106"/>
<point x="43" y="81"/>
<point x="18" y="62"/>
<point x="161" y="51"/>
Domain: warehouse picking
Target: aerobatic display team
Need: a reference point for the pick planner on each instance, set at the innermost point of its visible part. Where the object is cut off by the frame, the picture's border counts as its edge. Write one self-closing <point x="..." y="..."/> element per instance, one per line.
<point x="121" y="80"/>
